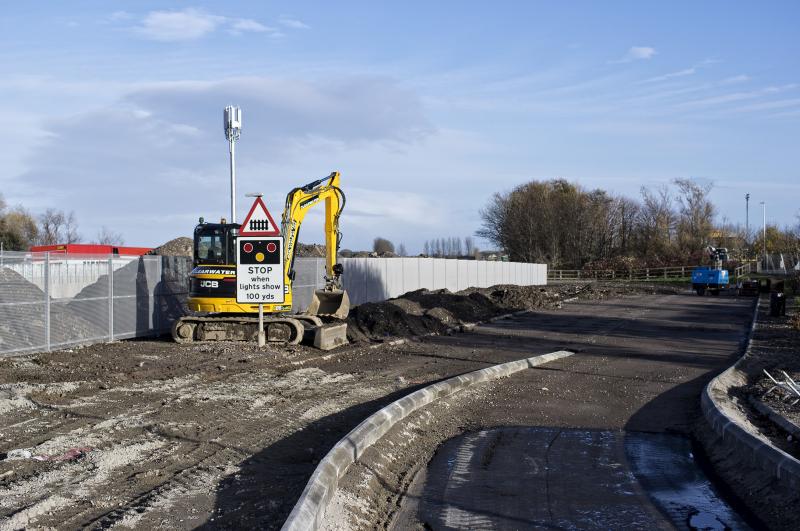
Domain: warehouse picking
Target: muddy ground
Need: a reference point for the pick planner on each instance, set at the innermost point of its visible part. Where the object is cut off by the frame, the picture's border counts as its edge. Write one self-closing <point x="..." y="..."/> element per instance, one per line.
<point x="220" y="435"/>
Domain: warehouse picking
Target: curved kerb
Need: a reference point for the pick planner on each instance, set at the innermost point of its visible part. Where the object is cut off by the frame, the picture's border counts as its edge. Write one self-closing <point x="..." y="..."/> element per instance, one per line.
<point x="747" y="445"/>
<point x="309" y="511"/>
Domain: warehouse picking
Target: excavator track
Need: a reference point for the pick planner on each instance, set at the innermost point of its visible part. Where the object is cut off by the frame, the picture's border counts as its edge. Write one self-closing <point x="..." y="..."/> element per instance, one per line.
<point x="290" y="330"/>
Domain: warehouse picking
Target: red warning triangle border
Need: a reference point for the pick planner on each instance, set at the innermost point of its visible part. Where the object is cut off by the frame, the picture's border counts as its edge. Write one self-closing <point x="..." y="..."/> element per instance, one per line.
<point x="244" y="232"/>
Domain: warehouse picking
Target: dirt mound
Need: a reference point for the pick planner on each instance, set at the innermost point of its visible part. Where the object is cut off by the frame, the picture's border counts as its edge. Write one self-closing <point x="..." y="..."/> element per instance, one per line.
<point x="310" y="250"/>
<point x="148" y="296"/>
<point x="22" y="316"/>
<point x="424" y="311"/>
<point x="181" y="246"/>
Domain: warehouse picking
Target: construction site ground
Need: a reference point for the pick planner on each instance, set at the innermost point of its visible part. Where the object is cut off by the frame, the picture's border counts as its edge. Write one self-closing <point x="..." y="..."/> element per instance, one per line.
<point x="226" y="436"/>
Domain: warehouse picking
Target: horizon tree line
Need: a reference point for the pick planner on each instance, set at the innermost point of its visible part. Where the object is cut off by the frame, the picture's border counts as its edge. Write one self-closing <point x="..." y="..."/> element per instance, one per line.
<point x="571" y="227"/>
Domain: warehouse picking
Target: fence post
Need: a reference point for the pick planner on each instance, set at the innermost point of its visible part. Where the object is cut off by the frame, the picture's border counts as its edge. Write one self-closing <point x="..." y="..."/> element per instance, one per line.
<point x="665" y="273"/>
<point x="403" y="276"/>
<point x="47" y="300"/>
<point x="111" y="299"/>
<point x="647" y="273"/>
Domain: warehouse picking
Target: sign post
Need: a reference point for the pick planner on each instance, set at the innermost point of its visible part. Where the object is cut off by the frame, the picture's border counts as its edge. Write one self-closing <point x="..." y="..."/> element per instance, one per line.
<point x="262" y="340"/>
<point x="259" y="263"/>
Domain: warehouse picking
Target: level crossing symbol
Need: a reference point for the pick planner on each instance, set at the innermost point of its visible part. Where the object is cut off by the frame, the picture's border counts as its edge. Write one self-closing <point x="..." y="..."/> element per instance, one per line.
<point x="258" y="221"/>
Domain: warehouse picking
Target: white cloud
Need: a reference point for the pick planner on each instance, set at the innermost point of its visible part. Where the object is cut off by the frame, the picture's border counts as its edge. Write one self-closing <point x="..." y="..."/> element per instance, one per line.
<point x="246" y="24"/>
<point x="741" y="78"/>
<point x="161" y="147"/>
<point x="739" y="96"/>
<point x="636" y="53"/>
<point x="672" y="75"/>
<point x="191" y="24"/>
<point x="769" y="105"/>
<point x="188" y="24"/>
<point x="120" y="15"/>
<point x="293" y="23"/>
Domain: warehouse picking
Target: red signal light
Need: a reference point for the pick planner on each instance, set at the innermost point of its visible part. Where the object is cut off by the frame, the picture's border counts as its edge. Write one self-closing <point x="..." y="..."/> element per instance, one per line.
<point x="247" y="247"/>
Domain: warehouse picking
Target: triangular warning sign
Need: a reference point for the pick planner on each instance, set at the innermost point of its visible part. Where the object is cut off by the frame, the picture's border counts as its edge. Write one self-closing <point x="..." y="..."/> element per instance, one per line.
<point x="259" y="222"/>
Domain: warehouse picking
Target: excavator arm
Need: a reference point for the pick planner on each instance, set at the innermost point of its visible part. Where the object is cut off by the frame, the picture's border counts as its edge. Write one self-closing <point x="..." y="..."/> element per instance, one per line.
<point x="332" y="300"/>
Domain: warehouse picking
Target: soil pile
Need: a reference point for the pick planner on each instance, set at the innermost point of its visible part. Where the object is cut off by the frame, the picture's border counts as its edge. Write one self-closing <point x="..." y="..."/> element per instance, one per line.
<point x="181" y="246"/>
<point x="148" y="296"/>
<point x="424" y="311"/>
<point x="22" y="316"/>
<point x="310" y="250"/>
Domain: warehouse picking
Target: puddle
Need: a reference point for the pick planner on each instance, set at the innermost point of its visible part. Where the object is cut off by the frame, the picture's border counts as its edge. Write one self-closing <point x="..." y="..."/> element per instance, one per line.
<point x="666" y="469"/>
<point x="541" y="478"/>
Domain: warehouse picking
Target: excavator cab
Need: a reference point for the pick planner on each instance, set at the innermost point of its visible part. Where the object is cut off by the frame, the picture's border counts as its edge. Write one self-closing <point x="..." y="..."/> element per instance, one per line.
<point x="214" y="243"/>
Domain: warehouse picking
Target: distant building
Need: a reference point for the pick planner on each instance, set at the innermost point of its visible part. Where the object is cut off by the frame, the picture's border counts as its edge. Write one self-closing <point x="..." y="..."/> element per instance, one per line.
<point x="91" y="248"/>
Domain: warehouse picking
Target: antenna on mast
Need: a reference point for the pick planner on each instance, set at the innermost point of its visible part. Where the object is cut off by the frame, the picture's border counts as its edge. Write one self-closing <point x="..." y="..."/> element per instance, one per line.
<point x="232" y="118"/>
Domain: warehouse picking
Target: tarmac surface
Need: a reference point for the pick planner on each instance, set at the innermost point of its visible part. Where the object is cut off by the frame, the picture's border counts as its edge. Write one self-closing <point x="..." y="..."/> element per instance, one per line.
<point x="528" y="477"/>
<point x="640" y="366"/>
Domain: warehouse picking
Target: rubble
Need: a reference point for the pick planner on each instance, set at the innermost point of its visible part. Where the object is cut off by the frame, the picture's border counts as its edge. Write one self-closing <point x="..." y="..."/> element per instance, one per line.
<point x="310" y="250"/>
<point x="181" y="246"/>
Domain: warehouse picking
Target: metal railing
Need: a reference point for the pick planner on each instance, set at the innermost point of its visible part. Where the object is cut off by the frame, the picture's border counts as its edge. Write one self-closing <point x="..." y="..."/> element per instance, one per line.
<point x="646" y="273"/>
<point x="651" y="273"/>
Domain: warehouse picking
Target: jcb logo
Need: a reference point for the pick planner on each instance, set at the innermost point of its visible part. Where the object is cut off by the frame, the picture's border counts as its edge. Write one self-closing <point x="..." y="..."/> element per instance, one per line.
<point x="209" y="284"/>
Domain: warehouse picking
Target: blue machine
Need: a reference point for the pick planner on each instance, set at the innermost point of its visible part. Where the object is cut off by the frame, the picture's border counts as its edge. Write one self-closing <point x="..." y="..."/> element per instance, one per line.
<point x="714" y="278"/>
<point x="706" y="278"/>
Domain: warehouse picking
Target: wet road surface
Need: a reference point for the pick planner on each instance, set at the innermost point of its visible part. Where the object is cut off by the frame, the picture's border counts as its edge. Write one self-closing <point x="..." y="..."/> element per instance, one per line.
<point x="640" y="366"/>
<point x="551" y="478"/>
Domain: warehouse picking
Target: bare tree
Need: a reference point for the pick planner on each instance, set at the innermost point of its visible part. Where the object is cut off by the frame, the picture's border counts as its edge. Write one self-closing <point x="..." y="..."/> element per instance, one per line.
<point x="696" y="215"/>
<point x="401" y="250"/>
<point x="58" y="227"/>
<point x="108" y="237"/>
<point x="382" y="245"/>
<point x="457" y="249"/>
<point x="656" y="224"/>
<point x="71" y="234"/>
<point x="50" y="224"/>
<point x="469" y="246"/>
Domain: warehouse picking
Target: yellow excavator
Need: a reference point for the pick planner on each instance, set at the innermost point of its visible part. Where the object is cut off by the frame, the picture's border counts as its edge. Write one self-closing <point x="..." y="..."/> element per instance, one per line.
<point x="212" y="282"/>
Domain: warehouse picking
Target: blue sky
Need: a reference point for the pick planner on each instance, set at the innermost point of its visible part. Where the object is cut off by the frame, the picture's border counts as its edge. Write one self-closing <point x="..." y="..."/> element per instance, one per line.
<point x="114" y="109"/>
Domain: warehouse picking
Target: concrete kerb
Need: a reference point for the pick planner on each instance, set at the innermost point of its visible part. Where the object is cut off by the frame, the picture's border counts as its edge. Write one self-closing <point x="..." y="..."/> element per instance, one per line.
<point x="309" y="511"/>
<point x="758" y="450"/>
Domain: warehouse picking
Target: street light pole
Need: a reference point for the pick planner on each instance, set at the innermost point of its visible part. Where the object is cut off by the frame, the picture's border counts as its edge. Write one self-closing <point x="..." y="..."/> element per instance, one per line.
<point x="764" y="230"/>
<point x="747" y="216"/>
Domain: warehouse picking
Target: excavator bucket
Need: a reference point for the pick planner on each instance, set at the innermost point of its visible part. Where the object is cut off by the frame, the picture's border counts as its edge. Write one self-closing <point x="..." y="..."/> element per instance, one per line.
<point x="330" y="303"/>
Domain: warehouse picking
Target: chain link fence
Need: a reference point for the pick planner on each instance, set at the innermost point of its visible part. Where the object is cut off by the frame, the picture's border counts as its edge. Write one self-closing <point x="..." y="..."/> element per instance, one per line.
<point x="50" y="301"/>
